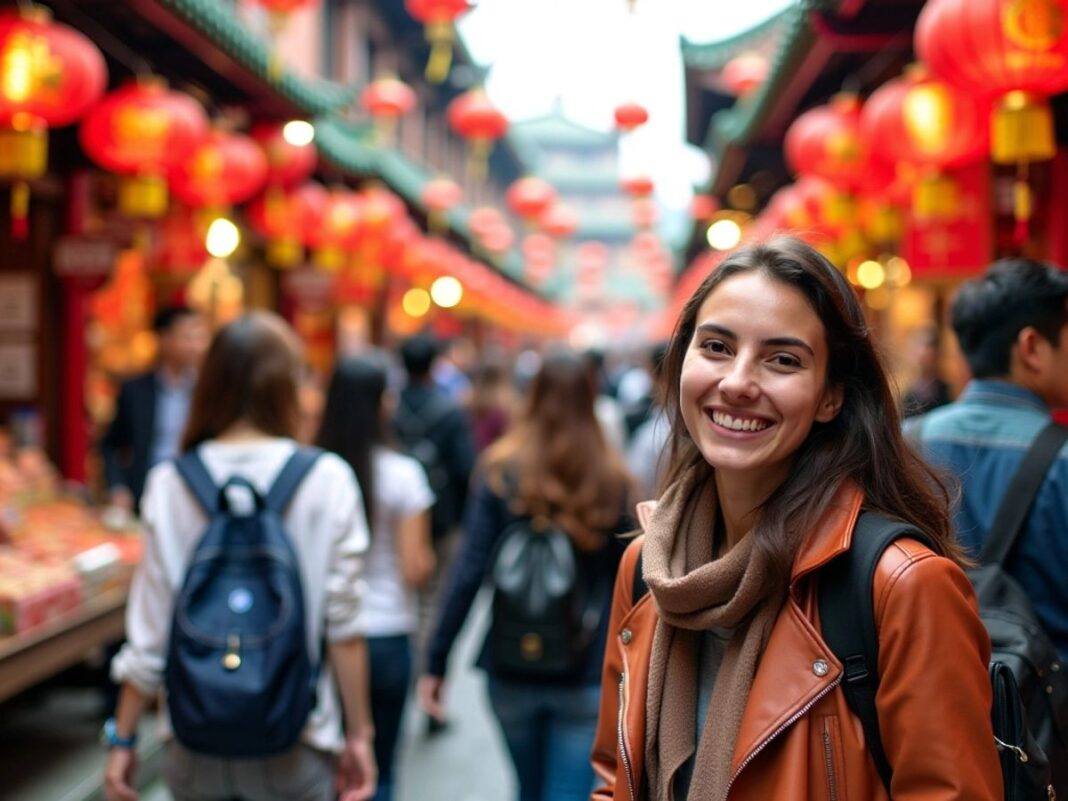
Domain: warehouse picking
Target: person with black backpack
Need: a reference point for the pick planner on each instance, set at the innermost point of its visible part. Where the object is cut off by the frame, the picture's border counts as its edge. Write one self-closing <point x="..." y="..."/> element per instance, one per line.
<point x="724" y="676"/>
<point x="999" y="441"/>
<point x="541" y="531"/>
<point x="243" y="612"/>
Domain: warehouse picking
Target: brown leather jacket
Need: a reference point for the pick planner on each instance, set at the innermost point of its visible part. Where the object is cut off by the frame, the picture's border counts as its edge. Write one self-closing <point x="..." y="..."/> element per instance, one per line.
<point x="798" y="740"/>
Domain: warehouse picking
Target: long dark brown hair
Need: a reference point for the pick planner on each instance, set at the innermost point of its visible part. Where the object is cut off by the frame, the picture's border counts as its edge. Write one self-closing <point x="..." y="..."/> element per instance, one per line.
<point x="351" y="425"/>
<point x="863" y="443"/>
<point x="251" y="373"/>
<point x="554" y="462"/>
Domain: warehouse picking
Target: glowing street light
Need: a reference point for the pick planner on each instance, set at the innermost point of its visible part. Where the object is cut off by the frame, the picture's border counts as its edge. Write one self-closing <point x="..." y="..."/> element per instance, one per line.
<point x="871" y="274"/>
<point x="223" y="238"/>
<point x="447" y="292"/>
<point x="299" y="133"/>
<point x="724" y="234"/>
<point x="416" y="302"/>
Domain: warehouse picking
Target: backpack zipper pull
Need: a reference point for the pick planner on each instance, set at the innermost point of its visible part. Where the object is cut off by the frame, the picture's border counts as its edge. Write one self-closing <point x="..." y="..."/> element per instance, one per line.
<point x="232" y="658"/>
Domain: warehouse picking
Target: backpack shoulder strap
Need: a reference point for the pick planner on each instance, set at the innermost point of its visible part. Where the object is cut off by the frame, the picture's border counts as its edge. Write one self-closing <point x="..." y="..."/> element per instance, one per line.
<point x="196" y="476"/>
<point x="290" y="477"/>
<point x="1016" y="504"/>
<point x="847" y="620"/>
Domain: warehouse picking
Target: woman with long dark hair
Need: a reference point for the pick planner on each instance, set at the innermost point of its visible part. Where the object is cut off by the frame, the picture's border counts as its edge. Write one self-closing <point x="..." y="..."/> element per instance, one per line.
<point x="542" y="524"/>
<point x="717" y="682"/>
<point x="398" y="500"/>
<point x="242" y="422"/>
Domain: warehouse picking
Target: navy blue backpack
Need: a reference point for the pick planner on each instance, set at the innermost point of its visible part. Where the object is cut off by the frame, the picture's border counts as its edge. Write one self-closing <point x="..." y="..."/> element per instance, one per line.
<point x="239" y="679"/>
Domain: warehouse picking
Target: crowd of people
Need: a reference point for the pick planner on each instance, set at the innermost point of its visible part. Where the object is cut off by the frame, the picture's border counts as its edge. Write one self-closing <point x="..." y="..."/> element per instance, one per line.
<point x="658" y="537"/>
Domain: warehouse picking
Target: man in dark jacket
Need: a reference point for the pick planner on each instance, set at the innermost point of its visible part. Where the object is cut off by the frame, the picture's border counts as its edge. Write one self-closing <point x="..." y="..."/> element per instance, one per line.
<point x="151" y="409"/>
<point x="436" y="432"/>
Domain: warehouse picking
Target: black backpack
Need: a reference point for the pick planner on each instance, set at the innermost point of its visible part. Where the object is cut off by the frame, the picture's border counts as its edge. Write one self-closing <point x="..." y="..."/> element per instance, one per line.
<point x="547" y="603"/>
<point x="413" y="428"/>
<point x="1030" y="712"/>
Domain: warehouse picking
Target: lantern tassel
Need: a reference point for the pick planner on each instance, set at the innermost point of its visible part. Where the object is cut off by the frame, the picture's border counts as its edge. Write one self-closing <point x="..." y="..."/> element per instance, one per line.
<point x="20" y="210"/>
<point x="276" y="24"/>
<point x="1022" y="203"/>
<point x="440" y="36"/>
<point x="478" y="160"/>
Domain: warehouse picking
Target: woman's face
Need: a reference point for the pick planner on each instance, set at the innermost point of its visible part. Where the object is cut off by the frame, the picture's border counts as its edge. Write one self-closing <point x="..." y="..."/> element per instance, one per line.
<point x="754" y="376"/>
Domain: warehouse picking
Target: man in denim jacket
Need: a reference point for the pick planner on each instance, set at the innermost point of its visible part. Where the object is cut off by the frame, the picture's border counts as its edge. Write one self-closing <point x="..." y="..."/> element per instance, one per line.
<point x="1012" y="324"/>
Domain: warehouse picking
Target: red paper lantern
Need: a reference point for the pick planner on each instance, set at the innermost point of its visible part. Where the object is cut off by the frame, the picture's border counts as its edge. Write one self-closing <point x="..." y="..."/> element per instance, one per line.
<point x="485" y="218"/>
<point x="310" y="203"/>
<point x="226" y="169"/>
<point x="827" y="142"/>
<point x="342" y="228"/>
<point x="50" y="74"/>
<point x="277" y="217"/>
<point x="440" y="195"/>
<point x="630" y="116"/>
<point x="539" y="258"/>
<point x="497" y="239"/>
<point x="644" y="212"/>
<point x="529" y="197"/>
<point x="286" y="6"/>
<point x="560" y="221"/>
<point x="476" y="119"/>
<point x="638" y="186"/>
<point x="287" y="164"/>
<point x="141" y="131"/>
<point x="744" y="73"/>
<point x="387" y="100"/>
<point x="438" y="18"/>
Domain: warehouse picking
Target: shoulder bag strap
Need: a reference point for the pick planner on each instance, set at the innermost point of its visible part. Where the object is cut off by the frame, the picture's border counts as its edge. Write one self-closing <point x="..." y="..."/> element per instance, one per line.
<point x="196" y="476"/>
<point x="1015" y="506"/>
<point x="290" y="477"/>
<point x="847" y="621"/>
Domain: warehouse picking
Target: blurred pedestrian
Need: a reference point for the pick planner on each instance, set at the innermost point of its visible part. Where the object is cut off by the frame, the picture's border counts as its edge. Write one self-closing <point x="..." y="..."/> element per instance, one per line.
<point x="542" y="526"/>
<point x="491" y="403"/>
<point x="928" y="391"/>
<point x="151" y="409"/>
<point x="243" y="415"/>
<point x="397" y="498"/>
<point x="718" y="681"/>
<point x="607" y="409"/>
<point x="647" y="454"/>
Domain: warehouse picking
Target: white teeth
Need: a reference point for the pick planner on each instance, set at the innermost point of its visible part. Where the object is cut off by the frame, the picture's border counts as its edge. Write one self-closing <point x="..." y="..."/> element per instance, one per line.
<point x="738" y="423"/>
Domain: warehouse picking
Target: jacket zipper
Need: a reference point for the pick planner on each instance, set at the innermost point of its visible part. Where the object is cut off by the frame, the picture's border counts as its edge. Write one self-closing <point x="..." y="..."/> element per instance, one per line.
<point x="789" y="722"/>
<point x="828" y="760"/>
<point x="622" y="741"/>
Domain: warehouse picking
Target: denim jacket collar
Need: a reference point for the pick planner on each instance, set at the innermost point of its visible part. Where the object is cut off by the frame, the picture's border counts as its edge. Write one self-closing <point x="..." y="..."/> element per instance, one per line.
<point x="1001" y="393"/>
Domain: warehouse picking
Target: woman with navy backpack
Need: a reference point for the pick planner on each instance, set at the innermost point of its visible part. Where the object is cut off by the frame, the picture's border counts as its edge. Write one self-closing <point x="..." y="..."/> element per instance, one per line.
<point x="243" y="613"/>
<point x="542" y="529"/>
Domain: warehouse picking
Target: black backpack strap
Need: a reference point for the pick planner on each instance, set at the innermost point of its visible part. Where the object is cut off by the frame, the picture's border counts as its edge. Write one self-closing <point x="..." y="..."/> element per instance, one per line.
<point x="638" y="587"/>
<point x="1016" y="505"/>
<point x="294" y="471"/>
<point x="847" y="621"/>
<point x="196" y="476"/>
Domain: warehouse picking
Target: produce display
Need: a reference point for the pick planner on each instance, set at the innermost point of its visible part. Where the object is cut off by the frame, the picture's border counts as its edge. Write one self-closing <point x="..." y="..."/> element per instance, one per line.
<point x="55" y="551"/>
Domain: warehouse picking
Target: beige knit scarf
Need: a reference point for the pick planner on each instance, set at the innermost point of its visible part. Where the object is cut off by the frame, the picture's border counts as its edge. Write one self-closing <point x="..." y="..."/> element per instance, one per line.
<point x="694" y="592"/>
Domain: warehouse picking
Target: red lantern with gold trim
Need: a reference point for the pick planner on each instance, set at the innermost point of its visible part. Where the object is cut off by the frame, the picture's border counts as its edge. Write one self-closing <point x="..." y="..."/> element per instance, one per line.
<point x="438" y="18"/>
<point x="826" y="142"/>
<point x="342" y="229"/>
<point x="141" y="131"/>
<point x="631" y="116"/>
<point x="310" y="202"/>
<point x="744" y="73"/>
<point x="276" y="216"/>
<point x="485" y="218"/>
<point x="226" y="169"/>
<point x="529" y="197"/>
<point x="50" y="74"/>
<point x="287" y="164"/>
<point x="387" y="99"/>
<point x="474" y="117"/>
<point x="440" y="196"/>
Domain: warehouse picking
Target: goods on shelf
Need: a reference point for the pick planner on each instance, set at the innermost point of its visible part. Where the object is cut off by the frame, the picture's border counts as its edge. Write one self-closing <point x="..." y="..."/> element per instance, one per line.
<point x="32" y="592"/>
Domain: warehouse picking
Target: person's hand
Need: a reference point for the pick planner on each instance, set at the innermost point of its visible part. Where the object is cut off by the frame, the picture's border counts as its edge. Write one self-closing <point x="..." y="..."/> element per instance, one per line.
<point x="431" y="692"/>
<point x="119" y="773"/>
<point x="122" y="498"/>
<point x="357" y="774"/>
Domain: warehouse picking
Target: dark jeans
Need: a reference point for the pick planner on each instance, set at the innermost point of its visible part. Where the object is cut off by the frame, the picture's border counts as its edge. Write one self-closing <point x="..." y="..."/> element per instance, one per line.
<point x="549" y="731"/>
<point x="391" y="672"/>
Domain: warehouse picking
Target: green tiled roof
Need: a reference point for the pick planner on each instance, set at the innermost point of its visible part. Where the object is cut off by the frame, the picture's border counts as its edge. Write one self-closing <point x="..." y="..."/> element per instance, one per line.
<point x="714" y="55"/>
<point x="349" y="146"/>
<point x="216" y="20"/>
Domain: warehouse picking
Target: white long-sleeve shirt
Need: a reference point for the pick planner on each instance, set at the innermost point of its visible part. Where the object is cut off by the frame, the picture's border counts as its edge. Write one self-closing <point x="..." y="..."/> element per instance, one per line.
<point x="326" y="524"/>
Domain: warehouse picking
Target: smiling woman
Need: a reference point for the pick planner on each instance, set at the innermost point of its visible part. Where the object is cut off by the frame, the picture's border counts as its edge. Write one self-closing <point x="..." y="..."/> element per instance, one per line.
<point x="784" y="431"/>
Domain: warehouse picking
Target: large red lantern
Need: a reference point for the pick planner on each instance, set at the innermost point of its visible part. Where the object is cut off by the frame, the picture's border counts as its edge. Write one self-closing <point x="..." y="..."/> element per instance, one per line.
<point x="278" y="14"/>
<point x="50" y="75"/>
<point x="1011" y="51"/>
<point x="630" y="116"/>
<point x="440" y="195"/>
<point x="539" y="258"/>
<point x="288" y="164"/>
<point x="476" y="119"/>
<point x="226" y="169"/>
<point x="485" y="218"/>
<point x="309" y="207"/>
<point x="438" y="18"/>
<point x="387" y="99"/>
<point x="141" y="131"/>
<point x="744" y="73"/>
<point x="342" y="229"/>
<point x="529" y="197"/>
<point x="277" y="217"/>
<point x="637" y="186"/>
<point x="826" y="142"/>
<point x="928" y="123"/>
